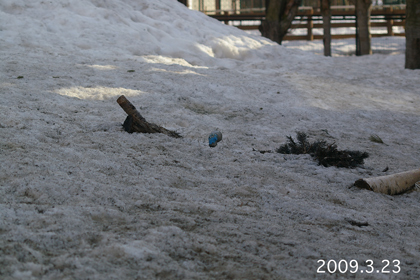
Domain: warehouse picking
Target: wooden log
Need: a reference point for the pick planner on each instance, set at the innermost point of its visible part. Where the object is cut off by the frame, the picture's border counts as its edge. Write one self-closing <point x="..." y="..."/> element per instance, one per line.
<point x="391" y="184"/>
<point x="136" y="123"/>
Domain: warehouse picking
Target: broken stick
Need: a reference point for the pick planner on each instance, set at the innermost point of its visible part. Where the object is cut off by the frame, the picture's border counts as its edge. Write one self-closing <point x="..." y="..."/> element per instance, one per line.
<point x="390" y="184"/>
<point x="136" y="123"/>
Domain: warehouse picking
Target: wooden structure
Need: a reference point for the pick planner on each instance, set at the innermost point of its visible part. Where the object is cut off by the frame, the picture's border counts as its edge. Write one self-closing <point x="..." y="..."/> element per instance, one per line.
<point x="310" y="18"/>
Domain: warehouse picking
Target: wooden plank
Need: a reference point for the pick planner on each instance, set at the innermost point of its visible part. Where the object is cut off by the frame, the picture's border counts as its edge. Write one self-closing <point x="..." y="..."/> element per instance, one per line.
<point x="334" y="37"/>
<point x="247" y="27"/>
<point x="226" y="15"/>
<point x="337" y="25"/>
<point x="388" y="12"/>
<point x="379" y="24"/>
<point x="343" y="36"/>
<point x="399" y="23"/>
<point x="317" y="37"/>
<point x="344" y="25"/>
<point x="296" y="37"/>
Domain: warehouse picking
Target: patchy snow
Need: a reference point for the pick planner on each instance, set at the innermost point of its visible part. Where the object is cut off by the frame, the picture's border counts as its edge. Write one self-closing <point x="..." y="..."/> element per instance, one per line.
<point x="82" y="199"/>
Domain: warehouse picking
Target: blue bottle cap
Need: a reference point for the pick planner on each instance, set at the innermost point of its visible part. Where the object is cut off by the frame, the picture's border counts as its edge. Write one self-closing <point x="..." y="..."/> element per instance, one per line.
<point x="214" y="137"/>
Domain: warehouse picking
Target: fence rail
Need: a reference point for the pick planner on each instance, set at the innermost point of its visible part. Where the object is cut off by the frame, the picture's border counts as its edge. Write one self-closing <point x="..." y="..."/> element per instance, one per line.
<point x="310" y="19"/>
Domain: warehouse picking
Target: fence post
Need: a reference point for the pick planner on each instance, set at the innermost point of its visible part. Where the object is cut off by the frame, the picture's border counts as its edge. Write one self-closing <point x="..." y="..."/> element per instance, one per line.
<point x="310" y="25"/>
<point x="389" y="22"/>
<point x="217" y="7"/>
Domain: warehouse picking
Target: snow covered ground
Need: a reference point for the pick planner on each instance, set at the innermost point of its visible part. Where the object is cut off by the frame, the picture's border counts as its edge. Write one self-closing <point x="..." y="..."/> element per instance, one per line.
<point x="82" y="199"/>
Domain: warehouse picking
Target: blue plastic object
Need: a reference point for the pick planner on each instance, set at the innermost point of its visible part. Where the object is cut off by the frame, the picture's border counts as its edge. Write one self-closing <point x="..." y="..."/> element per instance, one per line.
<point x="215" y="136"/>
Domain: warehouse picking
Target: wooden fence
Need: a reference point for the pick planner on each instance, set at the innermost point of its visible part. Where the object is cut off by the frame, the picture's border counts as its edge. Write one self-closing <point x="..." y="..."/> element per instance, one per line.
<point x="310" y="19"/>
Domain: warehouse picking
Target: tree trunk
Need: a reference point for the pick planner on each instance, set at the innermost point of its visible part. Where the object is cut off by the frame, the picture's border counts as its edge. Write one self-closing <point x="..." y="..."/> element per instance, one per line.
<point x="412" y="35"/>
<point x="326" y="22"/>
<point x="363" y="9"/>
<point x="279" y="17"/>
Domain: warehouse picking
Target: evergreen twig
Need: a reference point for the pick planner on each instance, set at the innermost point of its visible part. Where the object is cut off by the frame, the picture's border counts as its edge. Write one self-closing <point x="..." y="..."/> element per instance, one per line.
<point x="326" y="154"/>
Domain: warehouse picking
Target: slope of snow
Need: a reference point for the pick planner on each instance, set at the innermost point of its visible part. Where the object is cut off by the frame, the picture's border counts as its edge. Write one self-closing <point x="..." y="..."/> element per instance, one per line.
<point x="82" y="199"/>
<point x="122" y="29"/>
